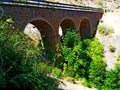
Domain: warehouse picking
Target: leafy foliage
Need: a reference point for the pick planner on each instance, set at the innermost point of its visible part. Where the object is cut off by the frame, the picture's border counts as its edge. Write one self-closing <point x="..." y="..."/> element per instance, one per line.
<point x="97" y="66"/>
<point x="97" y="71"/>
<point x="78" y="55"/>
<point x="83" y="60"/>
<point x="75" y="60"/>
<point x="56" y="72"/>
<point x="95" y="48"/>
<point x="19" y="67"/>
<point x="112" y="79"/>
<point x="79" y="58"/>
<point x="70" y="38"/>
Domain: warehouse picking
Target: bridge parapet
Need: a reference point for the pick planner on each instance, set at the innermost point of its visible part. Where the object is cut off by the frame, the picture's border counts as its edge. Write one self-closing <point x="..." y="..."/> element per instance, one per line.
<point x="52" y="5"/>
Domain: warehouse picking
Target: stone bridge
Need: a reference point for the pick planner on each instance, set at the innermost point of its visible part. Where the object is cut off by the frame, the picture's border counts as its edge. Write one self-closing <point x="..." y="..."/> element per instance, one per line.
<point x="48" y="17"/>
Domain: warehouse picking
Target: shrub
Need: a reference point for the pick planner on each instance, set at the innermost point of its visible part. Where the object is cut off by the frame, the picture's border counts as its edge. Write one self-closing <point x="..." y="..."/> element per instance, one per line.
<point x="112" y="81"/>
<point x="77" y="58"/>
<point x="107" y="9"/>
<point x="56" y="72"/>
<point x="19" y="67"/>
<point x="83" y="59"/>
<point x="111" y="48"/>
<point x="41" y="67"/>
<point x="70" y="38"/>
<point x="98" y="65"/>
<point x="40" y="71"/>
<point x="71" y="79"/>
<point x="95" y="48"/>
<point x="99" y="2"/>
<point x="105" y="30"/>
<point x="85" y="82"/>
<point x="97" y="71"/>
<point x="74" y="58"/>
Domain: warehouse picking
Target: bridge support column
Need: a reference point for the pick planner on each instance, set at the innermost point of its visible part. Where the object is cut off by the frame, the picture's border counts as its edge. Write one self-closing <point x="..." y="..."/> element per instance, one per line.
<point x="78" y="30"/>
<point x="54" y="40"/>
<point x="52" y="43"/>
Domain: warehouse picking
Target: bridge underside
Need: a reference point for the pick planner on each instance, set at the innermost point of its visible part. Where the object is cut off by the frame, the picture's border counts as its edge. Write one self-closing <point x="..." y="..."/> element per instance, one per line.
<point x="49" y="20"/>
<point x="85" y="28"/>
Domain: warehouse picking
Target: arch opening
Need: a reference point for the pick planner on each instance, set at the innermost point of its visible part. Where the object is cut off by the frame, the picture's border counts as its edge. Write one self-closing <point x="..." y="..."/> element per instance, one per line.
<point x="85" y="29"/>
<point x="41" y="33"/>
<point x="66" y="24"/>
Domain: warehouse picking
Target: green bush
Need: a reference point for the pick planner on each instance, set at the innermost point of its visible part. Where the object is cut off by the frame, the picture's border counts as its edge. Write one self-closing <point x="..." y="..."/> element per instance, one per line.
<point x="97" y="67"/>
<point x="84" y="61"/>
<point x="56" y="72"/>
<point x="41" y="67"/>
<point x="112" y="81"/>
<point x="94" y="48"/>
<point x="81" y="57"/>
<point x="70" y="38"/>
<point x="75" y="59"/>
<point x="97" y="71"/>
<point x="19" y="67"/>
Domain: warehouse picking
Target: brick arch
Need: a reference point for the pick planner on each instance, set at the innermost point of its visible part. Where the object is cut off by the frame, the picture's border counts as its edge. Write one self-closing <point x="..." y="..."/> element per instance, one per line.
<point x="39" y="19"/>
<point x="85" y="27"/>
<point x="67" y="23"/>
<point x="47" y="32"/>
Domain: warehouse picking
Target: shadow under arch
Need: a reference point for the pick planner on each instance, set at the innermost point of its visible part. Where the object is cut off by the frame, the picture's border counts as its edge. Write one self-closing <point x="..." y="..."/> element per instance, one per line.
<point x="46" y="33"/>
<point x="67" y="24"/>
<point x="85" y="28"/>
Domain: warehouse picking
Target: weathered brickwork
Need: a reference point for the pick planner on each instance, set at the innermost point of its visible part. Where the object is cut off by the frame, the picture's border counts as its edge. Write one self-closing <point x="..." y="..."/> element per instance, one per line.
<point x="48" y="20"/>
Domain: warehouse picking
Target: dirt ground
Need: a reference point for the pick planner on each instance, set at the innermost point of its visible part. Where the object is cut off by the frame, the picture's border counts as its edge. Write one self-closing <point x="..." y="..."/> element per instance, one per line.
<point x="111" y="19"/>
